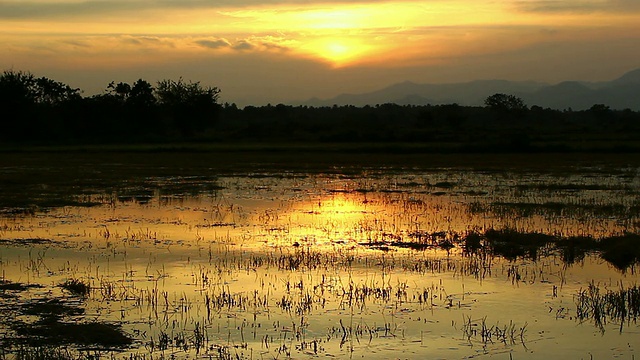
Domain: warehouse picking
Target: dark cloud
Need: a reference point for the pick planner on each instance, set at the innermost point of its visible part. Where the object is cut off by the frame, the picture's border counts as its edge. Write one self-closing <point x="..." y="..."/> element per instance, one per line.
<point x="143" y="40"/>
<point x="77" y="43"/>
<point x="578" y="6"/>
<point x="274" y="46"/>
<point x="243" y="45"/>
<point x="214" y="44"/>
<point x="31" y="9"/>
<point x="66" y="9"/>
<point x="545" y="6"/>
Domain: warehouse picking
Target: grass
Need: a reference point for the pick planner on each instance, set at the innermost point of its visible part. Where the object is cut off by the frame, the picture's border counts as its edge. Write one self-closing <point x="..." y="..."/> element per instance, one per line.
<point x="554" y="209"/>
<point x="570" y="187"/>
<point x="480" y="330"/>
<point x="512" y="244"/>
<point x="76" y="287"/>
<point x="302" y="298"/>
<point x="45" y="353"/>
<point x="622" y="251"/>
<point x="618" y="306"/>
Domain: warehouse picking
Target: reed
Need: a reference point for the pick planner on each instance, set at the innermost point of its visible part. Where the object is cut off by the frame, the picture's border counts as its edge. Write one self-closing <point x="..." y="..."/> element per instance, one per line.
<point x="620" y="306"/>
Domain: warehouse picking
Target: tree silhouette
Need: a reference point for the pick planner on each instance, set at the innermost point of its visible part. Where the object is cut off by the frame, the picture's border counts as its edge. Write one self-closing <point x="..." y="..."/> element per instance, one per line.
<point x="192" y="108"/>
<point x="17" y="101"/>
<point x="504" y="102"/>
<point x="181" y="92"/>
<point x="52" y="92"/>
<point x="120" y="90"/>
<point x="141" y="94"/>
<point x="17" y="88"/>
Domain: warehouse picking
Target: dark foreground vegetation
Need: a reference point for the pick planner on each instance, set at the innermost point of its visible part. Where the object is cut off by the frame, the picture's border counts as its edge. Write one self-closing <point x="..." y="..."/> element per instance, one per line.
<point x="621" y="251"/>
<point x="41" y="111"/>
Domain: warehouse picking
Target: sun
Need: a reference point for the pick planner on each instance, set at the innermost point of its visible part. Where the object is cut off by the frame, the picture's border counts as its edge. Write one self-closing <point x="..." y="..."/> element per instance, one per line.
<point x="338" y="51"/>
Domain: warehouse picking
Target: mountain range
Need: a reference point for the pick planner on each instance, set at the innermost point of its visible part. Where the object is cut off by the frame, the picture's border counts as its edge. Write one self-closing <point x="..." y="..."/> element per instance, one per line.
<point x="621" y="93"/>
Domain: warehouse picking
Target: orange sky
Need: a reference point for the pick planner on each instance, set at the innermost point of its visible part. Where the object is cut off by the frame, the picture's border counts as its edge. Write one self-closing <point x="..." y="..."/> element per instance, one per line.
<point x="278" y="51"/>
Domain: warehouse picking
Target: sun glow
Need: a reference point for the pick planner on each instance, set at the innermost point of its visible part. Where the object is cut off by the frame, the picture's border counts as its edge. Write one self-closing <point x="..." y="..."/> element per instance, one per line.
<point x="335" y="19"/>
<point x="476" y="38"/>
<point x="338" y="51"/>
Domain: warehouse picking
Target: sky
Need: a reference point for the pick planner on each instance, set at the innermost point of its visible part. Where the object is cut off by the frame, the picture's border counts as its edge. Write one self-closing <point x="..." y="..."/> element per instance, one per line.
<point x="281" y="51"/>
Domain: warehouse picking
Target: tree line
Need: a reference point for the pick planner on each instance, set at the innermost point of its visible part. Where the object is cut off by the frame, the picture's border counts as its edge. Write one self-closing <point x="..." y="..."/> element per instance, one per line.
<point x="44" y="111"/>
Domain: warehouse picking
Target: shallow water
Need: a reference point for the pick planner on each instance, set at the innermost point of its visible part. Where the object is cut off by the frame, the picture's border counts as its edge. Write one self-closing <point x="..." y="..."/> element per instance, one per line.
<point x="371" y="263"/>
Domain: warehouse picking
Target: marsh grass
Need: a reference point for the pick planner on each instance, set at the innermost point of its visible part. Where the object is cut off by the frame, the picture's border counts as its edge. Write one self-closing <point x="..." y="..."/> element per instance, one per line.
<point x="621" y="306"/>
<point x="77" y="287"/>
<point x="555" y="209"/>
<point x="622" y="251"/>
<point x="173" y="339"/>
<point x="573" y="187"/>
<point x="180" y="329"/>
<point x="512" y="244"/>
<point x="486" y="333"/>
<point x="45" y="353"/>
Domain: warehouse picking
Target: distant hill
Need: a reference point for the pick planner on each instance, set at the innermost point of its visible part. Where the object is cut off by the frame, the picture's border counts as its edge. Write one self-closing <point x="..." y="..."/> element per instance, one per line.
<point x="620" y="93"/>
<point x="630" y="77"/>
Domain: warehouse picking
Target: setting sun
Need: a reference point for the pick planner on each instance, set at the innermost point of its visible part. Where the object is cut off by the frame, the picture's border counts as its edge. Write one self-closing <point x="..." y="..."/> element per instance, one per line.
<point x="338" y="51"/>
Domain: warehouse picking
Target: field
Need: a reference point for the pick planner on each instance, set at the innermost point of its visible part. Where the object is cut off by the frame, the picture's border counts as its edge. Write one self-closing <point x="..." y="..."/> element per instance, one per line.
<point x="250" y="254"/>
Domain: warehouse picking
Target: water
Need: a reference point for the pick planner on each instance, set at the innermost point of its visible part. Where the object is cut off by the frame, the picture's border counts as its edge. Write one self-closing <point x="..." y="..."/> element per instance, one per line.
<point x="199" y="259"/>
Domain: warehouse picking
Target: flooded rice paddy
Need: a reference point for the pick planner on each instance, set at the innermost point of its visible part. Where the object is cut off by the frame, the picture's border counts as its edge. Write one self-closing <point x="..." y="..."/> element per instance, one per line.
<point x="156" y="256"/>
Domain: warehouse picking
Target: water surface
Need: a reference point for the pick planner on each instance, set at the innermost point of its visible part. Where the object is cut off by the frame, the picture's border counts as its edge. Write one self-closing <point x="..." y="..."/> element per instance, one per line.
<point x="197" y="256"/>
